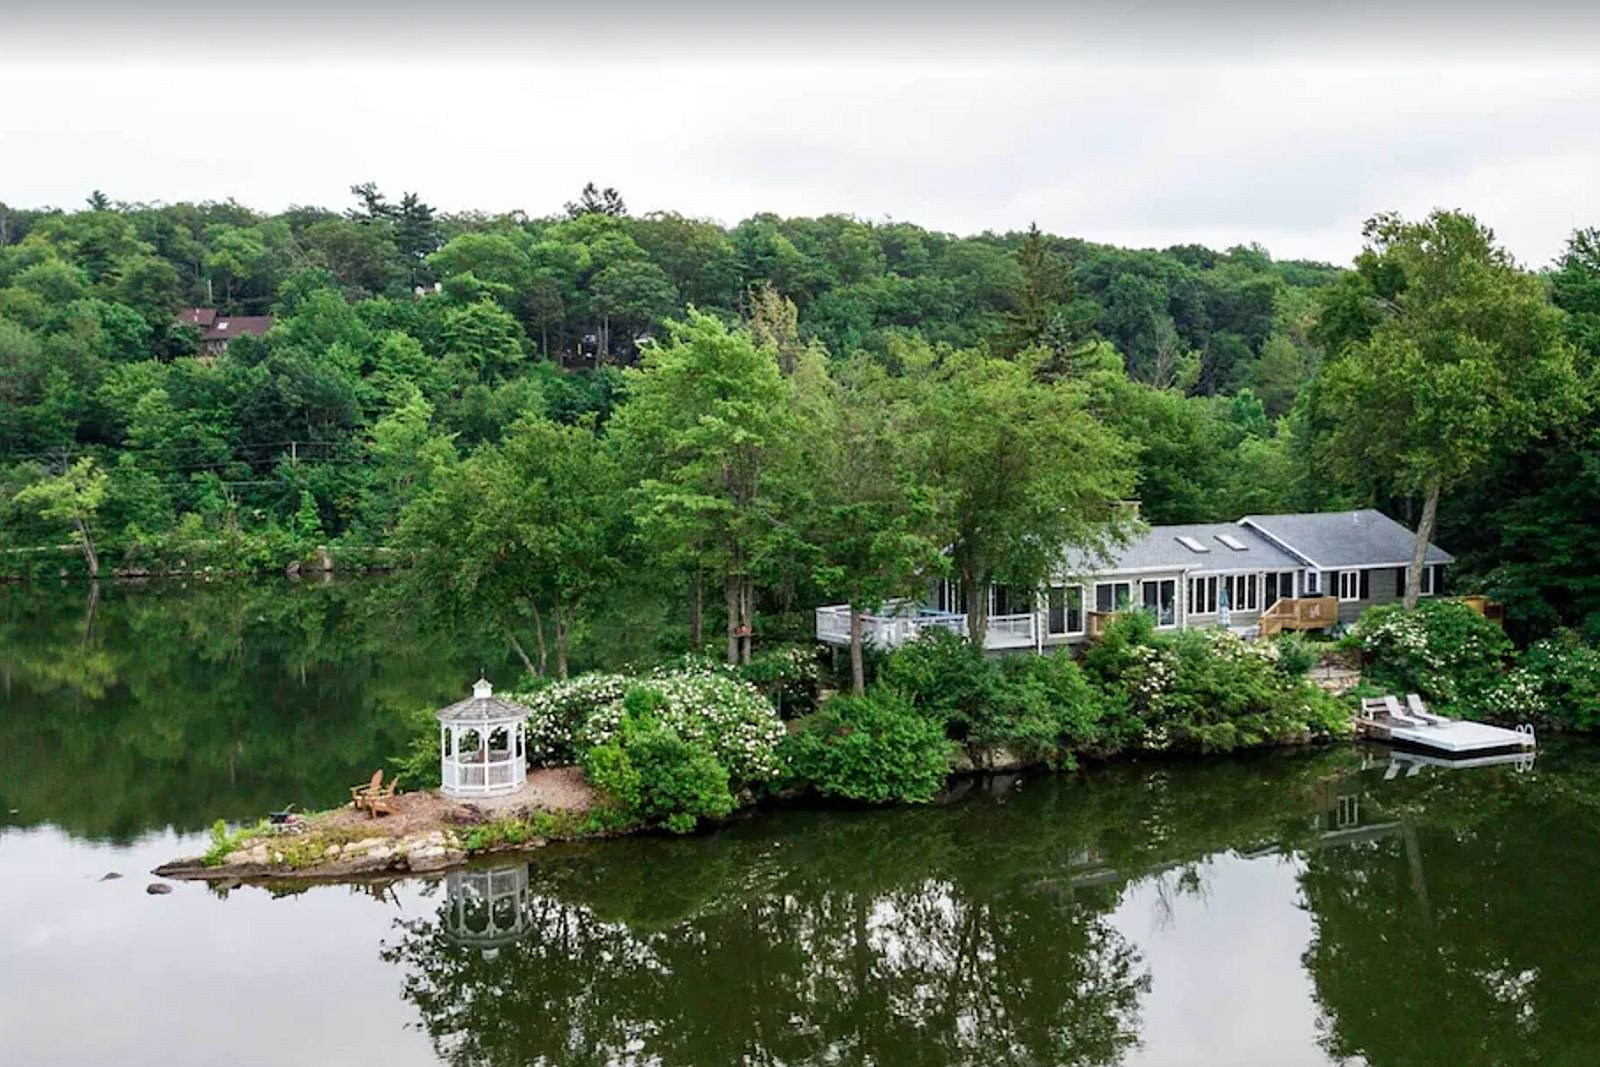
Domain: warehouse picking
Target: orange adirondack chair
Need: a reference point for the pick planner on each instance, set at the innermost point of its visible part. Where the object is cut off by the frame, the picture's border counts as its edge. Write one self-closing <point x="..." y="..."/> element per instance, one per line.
<point x="374" y="796"/>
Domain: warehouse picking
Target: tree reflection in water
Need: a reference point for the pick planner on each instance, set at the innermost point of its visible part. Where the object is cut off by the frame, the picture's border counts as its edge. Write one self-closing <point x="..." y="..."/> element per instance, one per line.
<point x="1461" y="930"/>
<point x="973" y="933"/>
<point x="1451" y="915"/>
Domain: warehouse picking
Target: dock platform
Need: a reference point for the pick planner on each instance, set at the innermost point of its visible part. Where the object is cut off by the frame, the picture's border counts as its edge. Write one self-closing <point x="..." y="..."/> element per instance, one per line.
<point x="1452" y="738"/>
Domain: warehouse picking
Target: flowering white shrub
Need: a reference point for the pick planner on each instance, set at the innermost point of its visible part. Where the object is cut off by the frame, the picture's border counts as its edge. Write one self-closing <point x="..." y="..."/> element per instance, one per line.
<point x="1518" y="698"/>
<point x="708" y="707"/>
<point x="1441" y="649"/>
<point x="559" y="710"/>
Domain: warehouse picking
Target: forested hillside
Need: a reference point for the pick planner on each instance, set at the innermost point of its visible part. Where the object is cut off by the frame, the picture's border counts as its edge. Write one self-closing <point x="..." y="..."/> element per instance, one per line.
<point x="404" y="339"/>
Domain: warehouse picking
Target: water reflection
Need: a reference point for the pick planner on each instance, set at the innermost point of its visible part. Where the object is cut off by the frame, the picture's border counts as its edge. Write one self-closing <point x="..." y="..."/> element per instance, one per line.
<point x="984" y="932"/>
<point x="1457" y="925"/>
<point x="185" y="705"/>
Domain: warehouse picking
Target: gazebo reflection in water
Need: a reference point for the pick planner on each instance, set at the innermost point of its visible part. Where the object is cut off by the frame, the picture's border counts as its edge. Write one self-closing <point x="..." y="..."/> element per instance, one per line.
<point x="487" y="907"/>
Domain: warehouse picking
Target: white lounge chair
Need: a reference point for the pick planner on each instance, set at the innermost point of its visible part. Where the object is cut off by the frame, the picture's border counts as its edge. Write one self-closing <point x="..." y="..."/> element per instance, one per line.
<point x="1398" y="714"/>
<point x="1419" y="710"/>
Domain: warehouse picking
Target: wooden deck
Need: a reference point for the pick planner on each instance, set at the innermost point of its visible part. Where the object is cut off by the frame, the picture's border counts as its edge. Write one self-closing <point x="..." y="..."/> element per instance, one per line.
<point x="1299" y="613"/>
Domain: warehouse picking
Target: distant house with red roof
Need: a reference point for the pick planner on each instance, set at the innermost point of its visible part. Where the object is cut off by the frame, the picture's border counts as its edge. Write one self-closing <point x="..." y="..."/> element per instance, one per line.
<point x="217" y="330"/>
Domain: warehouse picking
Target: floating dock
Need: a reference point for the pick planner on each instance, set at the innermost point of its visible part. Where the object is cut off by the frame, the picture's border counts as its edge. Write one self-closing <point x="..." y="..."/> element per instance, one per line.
<point x="1452" y="738"/>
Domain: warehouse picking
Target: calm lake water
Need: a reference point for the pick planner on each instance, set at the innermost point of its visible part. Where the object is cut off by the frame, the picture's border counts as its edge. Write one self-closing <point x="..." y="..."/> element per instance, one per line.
<point x="1274" y="909"/>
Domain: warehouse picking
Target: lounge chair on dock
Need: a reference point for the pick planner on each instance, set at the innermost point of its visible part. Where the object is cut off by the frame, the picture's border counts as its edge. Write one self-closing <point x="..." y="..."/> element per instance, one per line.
<point x="1392" y="708"/>
<point x="1419" y="710"/>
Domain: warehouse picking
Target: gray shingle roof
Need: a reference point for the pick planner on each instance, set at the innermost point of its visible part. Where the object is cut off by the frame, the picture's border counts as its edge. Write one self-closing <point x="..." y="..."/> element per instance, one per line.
<point x="482" y="706"/>
<point x="1344" y="538"/>
<point x="1159" y="547"/>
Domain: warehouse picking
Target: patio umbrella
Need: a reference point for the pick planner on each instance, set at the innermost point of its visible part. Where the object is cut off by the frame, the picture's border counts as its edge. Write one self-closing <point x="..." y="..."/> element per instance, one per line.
<point x="1224" y="613"/>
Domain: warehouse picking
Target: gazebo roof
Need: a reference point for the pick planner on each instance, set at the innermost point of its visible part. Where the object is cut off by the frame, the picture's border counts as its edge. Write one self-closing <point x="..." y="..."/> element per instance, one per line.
<point x="482" y="706"/>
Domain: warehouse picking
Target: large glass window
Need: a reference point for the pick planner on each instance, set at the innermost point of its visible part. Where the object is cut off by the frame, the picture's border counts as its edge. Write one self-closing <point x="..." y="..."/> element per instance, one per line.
<point x="1279" y="585"/>
<point x="1203" y="596"/>
<point x="1009" y="600"/>
<point x="1065" y="610"/>
<point x="1161" y="600"/>
<point x="1113" y="596"/>
<point x="1244" y="592"/>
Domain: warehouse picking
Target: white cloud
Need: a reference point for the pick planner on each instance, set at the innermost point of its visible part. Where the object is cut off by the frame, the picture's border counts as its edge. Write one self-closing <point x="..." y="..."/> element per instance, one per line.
<point x="1220" y="146"/>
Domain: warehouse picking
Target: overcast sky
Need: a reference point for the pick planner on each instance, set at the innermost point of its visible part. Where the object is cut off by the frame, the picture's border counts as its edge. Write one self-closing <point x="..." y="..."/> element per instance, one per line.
<point x="1142" y="125"/>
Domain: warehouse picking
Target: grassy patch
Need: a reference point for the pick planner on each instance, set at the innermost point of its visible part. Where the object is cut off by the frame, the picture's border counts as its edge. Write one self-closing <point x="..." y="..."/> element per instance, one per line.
<point x="550" y="826"/>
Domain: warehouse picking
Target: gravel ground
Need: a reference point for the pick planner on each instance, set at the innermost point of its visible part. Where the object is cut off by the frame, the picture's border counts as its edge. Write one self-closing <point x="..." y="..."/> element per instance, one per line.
<point x="547" y="789"/>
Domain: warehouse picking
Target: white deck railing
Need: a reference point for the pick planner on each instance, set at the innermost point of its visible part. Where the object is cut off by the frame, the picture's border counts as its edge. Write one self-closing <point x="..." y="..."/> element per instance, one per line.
<point x="903" y="621"/>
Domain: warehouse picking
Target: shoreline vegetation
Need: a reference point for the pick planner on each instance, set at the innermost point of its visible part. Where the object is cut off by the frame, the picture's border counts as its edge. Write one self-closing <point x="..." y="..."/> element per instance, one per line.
<point x="690" y="743"/>
<point x="545" y="417"/>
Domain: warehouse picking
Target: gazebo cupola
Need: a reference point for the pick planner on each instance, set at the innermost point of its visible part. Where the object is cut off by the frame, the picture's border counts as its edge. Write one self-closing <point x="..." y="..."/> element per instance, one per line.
<point x="481" y="747"/>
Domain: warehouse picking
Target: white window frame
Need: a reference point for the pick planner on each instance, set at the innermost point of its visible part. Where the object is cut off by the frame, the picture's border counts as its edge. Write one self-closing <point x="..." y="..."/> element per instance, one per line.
<point x="1237" y="584"/>
<point x="1158" y="583"/>
<point x="1311" y="583"/>
<point x="1066" y="610"/>
<point x="1349" y="586"/>
<point x="1128" y="584"/>
<point x="1427" y="580"/>
<point x="1205" y="603"/>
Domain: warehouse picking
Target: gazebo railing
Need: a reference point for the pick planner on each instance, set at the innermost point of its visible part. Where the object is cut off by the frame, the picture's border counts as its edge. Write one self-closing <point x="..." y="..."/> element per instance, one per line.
<point x="485" y="776"/>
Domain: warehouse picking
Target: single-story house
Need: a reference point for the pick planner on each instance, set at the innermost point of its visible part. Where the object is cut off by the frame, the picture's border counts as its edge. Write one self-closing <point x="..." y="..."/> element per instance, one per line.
<point x="1198" y="574"/>
<point x="217" y="330"/>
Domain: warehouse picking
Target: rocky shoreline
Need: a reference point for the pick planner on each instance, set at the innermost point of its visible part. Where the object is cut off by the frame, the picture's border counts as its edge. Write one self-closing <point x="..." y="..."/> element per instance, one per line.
<point x="424" y="833"/>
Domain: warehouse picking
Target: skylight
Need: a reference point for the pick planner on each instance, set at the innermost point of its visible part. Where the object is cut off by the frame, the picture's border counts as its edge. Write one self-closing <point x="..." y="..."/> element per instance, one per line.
<point x="1192" y="545"/>
<point x="1233" y="542"/>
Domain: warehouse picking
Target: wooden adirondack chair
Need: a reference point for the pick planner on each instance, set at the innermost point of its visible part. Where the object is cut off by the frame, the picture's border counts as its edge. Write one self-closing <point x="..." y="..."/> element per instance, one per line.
<point x="374" y="796"/>
<point x="382" y="802"/>
<point x="360" y="793"/>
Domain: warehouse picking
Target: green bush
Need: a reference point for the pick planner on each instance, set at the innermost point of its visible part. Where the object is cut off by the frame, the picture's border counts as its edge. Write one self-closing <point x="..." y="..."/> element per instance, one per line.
<point x="946" y="677"/>
<point x="1045" y="707"/>
<point x="1441" y="649"/>
<point x="1205" y="690"/>
<point x="877" y="749"/>
<point x="789" y="675"/>
<point x="1296" y="654"/>
<point x="655" y="774"/>
<point x="1556" y="682"/>
<point x="728" y="716"/>
<point x="559" y="711"/>
<point x="1039" y="706"/>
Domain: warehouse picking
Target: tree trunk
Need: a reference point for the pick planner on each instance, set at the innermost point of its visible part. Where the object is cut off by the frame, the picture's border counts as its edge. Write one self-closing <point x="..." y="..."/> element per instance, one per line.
<point x="747" y="616"/>
<point x="86" y="540"/>
<point x="561" y="640"/>
<point x="538" y="635"/>
<point x="1419" y="552"/>
<point x="516" y="646"/>
<point x="975" y="577"/>
<point x="730" y="597"/>
<point x="858" y="670"/>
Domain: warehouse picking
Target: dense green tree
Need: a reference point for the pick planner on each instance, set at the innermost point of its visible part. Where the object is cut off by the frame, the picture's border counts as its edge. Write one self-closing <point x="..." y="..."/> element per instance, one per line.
<point x="1024" y="473"/>
<point x="876" y="519"/>
<point x="1463" y="359"/>
<point x="705" y="409"/>
<point x="71" y="498"/>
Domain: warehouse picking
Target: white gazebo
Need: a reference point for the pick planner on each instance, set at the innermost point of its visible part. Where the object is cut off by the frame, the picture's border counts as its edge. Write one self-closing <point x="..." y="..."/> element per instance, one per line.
<point x="481" y="747"/>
